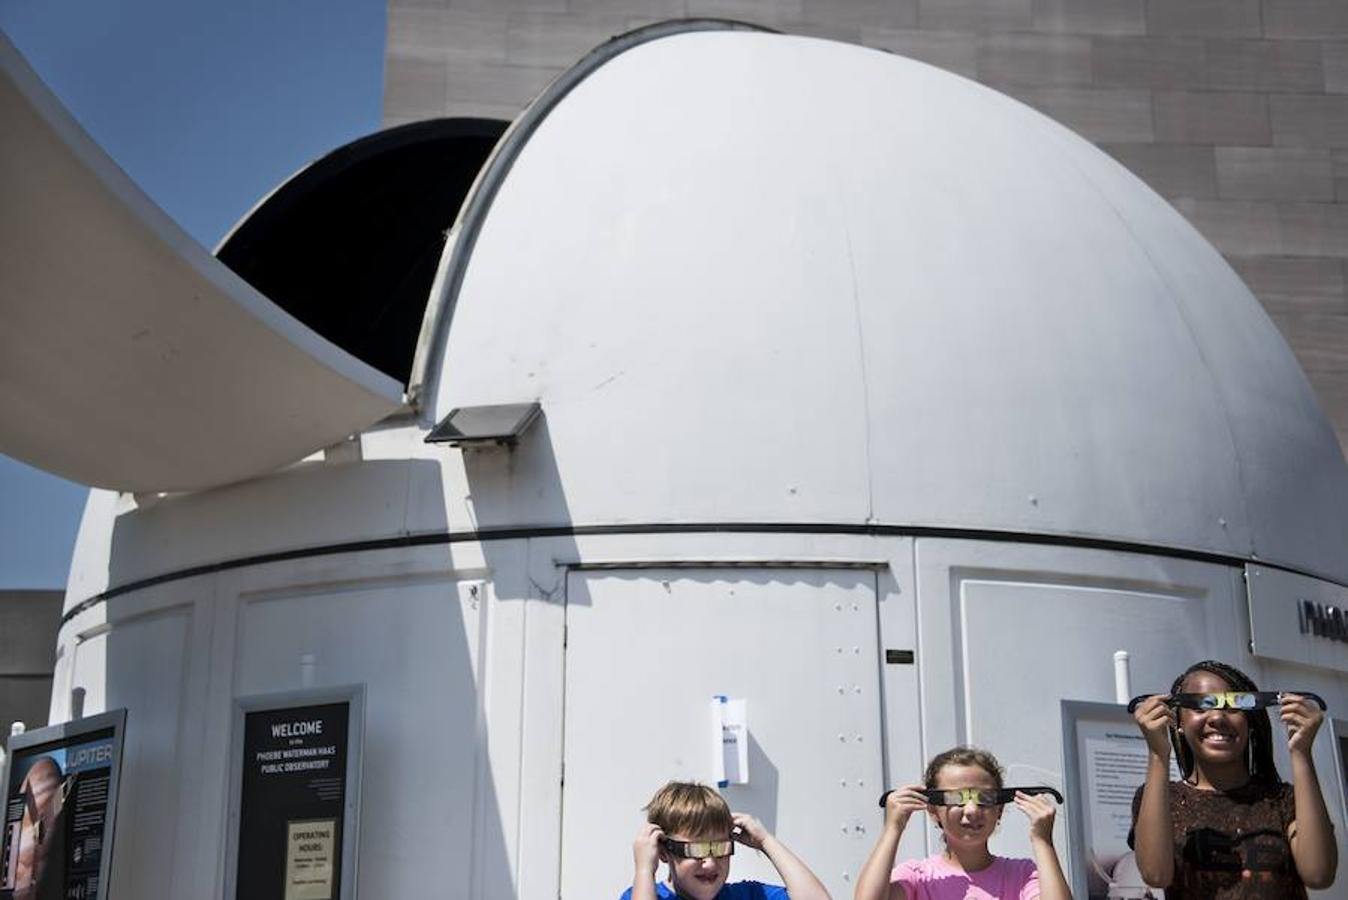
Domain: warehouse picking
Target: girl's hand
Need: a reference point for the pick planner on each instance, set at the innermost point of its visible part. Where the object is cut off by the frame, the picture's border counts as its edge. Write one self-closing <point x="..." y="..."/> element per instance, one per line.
<point x="1153" y="717"/>
<point x="1303" y="720"/>
<point x="751" y="831"/>
<point x="1040" y="810"/>
<point x="646" y="849"/>
<point x="902" y="803"/>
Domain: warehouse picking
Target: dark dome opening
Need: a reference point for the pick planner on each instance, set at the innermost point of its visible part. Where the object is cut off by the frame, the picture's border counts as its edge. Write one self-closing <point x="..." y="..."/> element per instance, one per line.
<point x="350" y="245"/>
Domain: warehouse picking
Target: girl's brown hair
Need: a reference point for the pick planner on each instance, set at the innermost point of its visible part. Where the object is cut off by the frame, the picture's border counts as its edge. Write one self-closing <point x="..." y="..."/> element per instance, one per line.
<point x="963" y="756"/>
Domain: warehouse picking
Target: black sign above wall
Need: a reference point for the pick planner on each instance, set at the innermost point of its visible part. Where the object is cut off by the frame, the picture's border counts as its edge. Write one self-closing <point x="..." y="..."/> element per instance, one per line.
<point x="294" y="812"/>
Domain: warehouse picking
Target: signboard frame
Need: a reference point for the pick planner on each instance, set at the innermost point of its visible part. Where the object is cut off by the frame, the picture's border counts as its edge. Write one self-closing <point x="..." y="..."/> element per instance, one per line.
<point x="1338" y="736"/>
<point x="66" y="734"/>
<point x="1075" y="787"/>
<point x="354" y="696"/>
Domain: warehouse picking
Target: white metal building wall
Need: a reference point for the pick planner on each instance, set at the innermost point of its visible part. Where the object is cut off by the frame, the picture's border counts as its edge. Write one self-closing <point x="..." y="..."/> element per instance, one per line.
<point x="526" y="696"/>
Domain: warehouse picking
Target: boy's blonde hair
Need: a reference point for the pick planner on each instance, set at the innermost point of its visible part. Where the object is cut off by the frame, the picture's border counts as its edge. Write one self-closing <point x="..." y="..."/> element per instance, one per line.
<point x="690" y="809"/>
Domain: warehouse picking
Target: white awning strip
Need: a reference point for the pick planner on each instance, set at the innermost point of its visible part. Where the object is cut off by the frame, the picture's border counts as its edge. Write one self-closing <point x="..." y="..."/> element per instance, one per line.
<point x="130" y="358"/>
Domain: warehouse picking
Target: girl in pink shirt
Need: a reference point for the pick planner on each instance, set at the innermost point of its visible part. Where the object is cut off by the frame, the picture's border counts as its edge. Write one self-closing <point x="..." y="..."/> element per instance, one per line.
<point x="966" y="870"/>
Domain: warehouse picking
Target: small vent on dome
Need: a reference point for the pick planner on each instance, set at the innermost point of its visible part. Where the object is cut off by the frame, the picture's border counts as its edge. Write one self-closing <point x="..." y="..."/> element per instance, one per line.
<point x="500" y="425"/>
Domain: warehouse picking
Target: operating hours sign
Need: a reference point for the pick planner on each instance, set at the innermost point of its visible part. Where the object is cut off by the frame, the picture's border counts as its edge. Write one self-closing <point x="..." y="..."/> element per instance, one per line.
<point x="294" y="815"/>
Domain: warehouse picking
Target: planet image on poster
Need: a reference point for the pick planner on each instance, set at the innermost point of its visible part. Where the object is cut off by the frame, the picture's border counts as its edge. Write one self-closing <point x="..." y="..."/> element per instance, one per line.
<point x="40" y="832"/>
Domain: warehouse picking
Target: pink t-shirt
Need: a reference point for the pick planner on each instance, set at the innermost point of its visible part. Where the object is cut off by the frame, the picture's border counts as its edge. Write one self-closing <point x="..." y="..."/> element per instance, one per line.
<point x="935" y="879"/>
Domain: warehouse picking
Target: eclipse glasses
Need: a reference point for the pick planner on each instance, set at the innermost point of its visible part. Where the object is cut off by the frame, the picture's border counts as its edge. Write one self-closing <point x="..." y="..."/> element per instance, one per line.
<point x="978" y="796"/>
<point x="1238" y="700"/>
<point x="698" y="849"/>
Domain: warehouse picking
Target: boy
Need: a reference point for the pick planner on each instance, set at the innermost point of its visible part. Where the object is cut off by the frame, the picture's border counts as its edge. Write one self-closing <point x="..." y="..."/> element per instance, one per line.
<point x="690" y="827"/>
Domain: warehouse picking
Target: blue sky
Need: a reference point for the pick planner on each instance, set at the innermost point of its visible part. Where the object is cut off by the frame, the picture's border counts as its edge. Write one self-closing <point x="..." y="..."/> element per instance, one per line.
<point x="208" y="106"/>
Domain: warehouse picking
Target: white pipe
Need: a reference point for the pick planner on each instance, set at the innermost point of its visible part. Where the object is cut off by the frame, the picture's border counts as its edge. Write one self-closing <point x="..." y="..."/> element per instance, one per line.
<point x="1123" y="681"/>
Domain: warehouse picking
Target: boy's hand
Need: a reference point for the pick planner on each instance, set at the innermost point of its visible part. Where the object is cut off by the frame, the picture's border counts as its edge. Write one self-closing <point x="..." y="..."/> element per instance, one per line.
<point x="1302" y="719"/>
<point x="751" y="831"/>
<point x="902" y="803"/>
<point x="1153" y="717"/>
<point x="646" y="849"/>
<point x="1040" y="810"/>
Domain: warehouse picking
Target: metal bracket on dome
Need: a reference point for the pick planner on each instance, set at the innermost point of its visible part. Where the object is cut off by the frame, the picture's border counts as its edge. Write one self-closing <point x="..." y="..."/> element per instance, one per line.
<point x="476" y="426"/>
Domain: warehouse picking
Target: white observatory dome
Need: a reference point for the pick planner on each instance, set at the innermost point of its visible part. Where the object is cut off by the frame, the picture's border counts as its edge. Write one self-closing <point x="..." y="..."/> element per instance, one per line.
<point x="860" y="384"/>
<point x="756" y="278"/>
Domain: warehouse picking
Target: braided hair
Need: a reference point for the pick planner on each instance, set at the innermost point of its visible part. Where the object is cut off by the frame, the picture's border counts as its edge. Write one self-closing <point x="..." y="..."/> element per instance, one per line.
<point x="1259" y="753"/>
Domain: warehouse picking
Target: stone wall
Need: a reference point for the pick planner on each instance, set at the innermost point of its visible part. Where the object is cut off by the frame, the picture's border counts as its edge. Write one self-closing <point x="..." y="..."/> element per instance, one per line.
<point x="1234" y="110"/>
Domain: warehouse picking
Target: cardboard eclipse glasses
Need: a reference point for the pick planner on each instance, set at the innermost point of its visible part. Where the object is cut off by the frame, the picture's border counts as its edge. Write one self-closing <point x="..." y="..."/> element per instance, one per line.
<point x="1241" y="701"/>
<point x="698" y="849"/>
<point x="978" y="796"/>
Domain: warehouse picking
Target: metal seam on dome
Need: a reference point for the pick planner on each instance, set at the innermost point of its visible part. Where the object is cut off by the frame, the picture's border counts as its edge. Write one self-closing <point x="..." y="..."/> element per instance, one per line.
<point x="430" y="539"/>
<point x="463" y="235"/>
<point x="859" y="318"/>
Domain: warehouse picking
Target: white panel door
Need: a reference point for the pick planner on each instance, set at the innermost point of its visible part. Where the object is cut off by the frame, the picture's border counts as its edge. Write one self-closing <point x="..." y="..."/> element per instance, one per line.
<point x="1010" y="630"/>
<point x="646" y="651"/>
<point x="412" y="645"/>
<point x="141" y="663"/>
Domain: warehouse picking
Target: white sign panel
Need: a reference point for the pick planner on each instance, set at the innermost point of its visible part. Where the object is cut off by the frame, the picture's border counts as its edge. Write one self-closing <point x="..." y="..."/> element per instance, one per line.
<point x="1105" y="762"/>
<point x="310" y="847"/>
<point x="1298" y="619"/>
<point x="730" y="738"/>
<point x="1115" y="764"/>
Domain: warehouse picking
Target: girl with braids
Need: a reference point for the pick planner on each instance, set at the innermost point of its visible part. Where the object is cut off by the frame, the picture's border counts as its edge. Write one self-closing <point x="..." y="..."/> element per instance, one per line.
<point x="965" y="870"/>
<point x="1231" y="829"/>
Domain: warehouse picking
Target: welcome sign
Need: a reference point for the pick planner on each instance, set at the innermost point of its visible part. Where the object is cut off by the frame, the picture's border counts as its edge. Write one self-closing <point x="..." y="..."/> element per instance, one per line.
<point x="295" y="804"/>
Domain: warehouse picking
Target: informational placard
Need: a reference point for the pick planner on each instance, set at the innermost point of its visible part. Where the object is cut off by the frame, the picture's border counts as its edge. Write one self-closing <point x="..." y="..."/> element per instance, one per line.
<point x="60" y="809"/>
<point x="294" y="811"/>
<point x="311" y="859"/>
<point x="730" y="740"/>
<point x="1105" y="762"/>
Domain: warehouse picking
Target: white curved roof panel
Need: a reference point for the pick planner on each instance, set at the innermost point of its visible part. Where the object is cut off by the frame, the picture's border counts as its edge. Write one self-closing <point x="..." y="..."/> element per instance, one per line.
<point x="764" y="278"/>
<point x="129" y="357"/>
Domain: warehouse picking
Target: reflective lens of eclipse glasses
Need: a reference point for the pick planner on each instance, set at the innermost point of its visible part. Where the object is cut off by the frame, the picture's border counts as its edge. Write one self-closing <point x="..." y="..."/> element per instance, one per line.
<point x="699" y="849"/>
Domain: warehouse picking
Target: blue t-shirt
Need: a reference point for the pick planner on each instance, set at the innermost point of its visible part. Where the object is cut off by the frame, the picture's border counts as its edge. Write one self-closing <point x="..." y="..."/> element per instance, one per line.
<point x="740" y="890"/>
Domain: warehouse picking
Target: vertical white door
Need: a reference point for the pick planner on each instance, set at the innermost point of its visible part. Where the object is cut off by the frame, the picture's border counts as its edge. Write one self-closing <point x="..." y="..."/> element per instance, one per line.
<point x="1009" y="631"/>
<point x="646" y="651"/>
<point x="414" y="646"/>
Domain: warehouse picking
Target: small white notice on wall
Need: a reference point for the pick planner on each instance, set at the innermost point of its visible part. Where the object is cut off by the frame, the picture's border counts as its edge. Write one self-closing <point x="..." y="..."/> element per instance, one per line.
<point x="730" y="737"/>
<point x="309" y="859"/>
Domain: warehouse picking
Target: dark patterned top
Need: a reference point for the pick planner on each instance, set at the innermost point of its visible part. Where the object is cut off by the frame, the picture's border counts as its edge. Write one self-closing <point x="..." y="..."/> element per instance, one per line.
<point x="1231" y="845"/>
